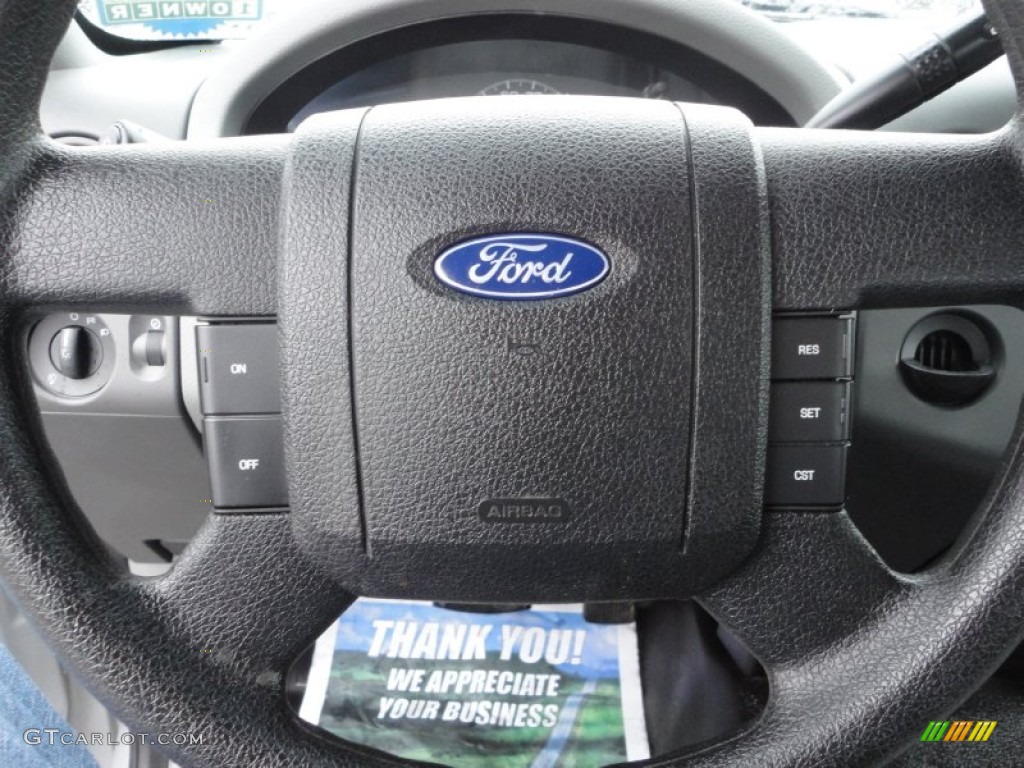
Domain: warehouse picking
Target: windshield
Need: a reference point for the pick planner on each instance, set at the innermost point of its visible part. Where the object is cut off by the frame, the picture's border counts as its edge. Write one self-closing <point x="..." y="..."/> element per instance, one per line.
<point x="234" y="19"/>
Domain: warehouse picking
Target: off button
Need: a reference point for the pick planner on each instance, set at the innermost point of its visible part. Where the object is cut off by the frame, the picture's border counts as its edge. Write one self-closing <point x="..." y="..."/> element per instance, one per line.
<point x="246" y="457"/>
<point x="806" y="476"/>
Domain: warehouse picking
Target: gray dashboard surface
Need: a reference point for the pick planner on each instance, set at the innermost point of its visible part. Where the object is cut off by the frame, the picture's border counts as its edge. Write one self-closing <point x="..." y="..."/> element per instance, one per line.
<point x="88" y="90"/>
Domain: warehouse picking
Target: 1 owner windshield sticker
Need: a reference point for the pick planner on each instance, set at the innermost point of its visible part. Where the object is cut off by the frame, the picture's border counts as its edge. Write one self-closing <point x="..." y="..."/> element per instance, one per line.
<point x="175" y="18"/>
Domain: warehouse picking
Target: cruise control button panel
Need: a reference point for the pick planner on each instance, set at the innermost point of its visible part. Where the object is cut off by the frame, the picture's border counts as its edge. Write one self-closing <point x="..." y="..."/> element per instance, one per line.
<point x="810" y="410"/>
<point x="241" y="403"/>
<point x="246" y="458"/>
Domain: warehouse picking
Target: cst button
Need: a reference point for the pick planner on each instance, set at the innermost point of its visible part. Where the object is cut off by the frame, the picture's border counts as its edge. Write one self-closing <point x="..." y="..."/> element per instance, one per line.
<point x="246" y="457"/>
<point x="806" y="476"/>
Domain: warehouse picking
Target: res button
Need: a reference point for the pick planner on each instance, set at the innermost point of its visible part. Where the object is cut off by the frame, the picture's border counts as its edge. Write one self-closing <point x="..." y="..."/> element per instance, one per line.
<point x="811" y="348"/>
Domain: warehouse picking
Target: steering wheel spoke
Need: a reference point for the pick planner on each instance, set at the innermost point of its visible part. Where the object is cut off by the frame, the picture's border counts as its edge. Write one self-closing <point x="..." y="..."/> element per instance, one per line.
<point x="264" y="603"/>
<point x="186" y="228"/>
<point x="853" y="648"/>
<point x="812" y="581"/>
<point x="884" y="219"/>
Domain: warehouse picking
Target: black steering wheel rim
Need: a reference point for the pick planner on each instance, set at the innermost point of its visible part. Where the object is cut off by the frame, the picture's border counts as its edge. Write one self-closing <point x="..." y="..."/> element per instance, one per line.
<point x="875" y="654"/>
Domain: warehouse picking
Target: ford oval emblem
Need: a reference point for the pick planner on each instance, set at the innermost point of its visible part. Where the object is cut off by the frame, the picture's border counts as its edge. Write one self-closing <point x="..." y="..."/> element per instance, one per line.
<point x="521" y="267"/>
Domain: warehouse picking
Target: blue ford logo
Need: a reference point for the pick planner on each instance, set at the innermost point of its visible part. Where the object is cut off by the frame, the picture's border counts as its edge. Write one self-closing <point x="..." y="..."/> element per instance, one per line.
<point x="521" y="267"/>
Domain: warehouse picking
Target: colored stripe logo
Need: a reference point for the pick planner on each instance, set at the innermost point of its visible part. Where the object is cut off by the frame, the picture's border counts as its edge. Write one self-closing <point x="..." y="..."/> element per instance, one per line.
<point x="959" y="730"/>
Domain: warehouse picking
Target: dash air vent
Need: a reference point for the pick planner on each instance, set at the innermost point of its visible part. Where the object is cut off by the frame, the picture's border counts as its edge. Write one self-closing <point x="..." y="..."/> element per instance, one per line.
<point x="945" y="351"/>
<point x="947" y="359"/>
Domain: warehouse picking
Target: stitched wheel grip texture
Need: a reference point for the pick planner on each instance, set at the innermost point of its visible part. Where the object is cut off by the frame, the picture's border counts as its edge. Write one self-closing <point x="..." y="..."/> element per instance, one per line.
<point x="859" y="659"/>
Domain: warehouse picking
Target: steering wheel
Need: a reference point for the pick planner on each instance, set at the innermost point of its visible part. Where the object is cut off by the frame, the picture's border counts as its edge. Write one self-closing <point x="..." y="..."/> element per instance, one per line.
<point x="645" y="415"/>
<point x="754" y="48"/>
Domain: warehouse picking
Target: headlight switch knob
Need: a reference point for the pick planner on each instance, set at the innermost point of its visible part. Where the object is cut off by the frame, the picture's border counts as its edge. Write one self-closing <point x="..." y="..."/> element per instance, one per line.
<point x="76" y="352"/>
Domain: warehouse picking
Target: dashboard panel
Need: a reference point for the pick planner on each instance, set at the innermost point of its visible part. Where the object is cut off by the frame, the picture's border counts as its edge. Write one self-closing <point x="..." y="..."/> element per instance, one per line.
<point x="501" y="68"/>
<point x="506" y="55"/>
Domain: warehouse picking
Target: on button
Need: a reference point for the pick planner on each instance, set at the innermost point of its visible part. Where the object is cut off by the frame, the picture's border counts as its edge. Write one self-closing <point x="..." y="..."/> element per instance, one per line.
<point x="238" y="368"/>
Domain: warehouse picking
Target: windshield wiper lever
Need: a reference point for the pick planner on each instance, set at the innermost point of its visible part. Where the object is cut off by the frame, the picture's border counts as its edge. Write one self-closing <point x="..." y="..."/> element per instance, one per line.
<point x="127" y="132"/>
<point x="913" y="78"/>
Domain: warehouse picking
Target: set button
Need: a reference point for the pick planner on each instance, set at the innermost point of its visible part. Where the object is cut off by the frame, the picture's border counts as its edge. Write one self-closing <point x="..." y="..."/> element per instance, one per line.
<point x="809" y="412"/>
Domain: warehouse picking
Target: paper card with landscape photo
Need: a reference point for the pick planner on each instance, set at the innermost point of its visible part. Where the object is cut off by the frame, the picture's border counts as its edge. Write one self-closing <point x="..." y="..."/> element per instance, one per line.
<point x="538" y="688"/>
